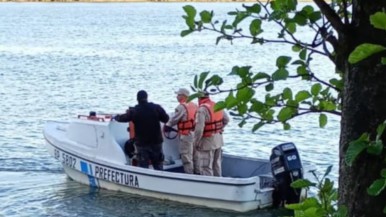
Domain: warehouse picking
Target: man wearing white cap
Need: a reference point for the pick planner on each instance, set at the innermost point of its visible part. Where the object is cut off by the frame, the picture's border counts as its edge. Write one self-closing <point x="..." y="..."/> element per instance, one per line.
<point x="184" y="119"/>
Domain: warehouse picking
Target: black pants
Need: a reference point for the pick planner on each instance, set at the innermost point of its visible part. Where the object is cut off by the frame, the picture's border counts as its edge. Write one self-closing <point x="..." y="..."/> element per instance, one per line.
<point x="150" y="153"/>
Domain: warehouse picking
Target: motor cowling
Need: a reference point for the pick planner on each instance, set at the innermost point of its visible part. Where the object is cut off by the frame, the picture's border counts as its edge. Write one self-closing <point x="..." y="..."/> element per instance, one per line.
<point x="286" y="167"/>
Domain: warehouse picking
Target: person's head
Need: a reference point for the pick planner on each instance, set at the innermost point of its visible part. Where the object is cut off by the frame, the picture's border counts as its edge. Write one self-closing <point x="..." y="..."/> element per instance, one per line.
<point x="141" y="96"/>
<point x="182" y="94"/>
<point x="203" y="96"/>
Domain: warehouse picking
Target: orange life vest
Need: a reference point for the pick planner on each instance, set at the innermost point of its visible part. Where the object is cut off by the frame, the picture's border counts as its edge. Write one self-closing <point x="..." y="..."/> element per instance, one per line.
<point x="131" y="130"/>
<point x="186" y="126"/>
<point x="215" y="123"/>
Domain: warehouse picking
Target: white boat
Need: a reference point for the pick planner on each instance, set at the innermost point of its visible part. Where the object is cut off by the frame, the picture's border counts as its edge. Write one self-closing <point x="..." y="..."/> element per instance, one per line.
<point x="91" y="152"/>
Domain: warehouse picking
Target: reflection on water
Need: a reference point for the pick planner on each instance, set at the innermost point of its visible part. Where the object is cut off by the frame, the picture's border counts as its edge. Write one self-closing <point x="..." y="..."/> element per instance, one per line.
<point x="59" y="60"/>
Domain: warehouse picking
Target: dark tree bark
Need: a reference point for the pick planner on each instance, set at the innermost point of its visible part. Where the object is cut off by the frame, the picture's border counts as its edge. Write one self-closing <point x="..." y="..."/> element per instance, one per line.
<point x="364" y="108"/>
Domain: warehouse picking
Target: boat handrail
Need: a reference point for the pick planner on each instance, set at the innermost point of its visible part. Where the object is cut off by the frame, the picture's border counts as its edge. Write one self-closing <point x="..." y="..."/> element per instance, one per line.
<point x="92" y="118"/>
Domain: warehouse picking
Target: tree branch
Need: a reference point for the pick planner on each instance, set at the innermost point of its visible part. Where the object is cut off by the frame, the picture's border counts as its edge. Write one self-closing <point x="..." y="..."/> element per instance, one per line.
<point x="331" y="15"/>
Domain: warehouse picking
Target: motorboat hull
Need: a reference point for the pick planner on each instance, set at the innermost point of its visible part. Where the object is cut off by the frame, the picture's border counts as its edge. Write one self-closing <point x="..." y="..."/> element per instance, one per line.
<point x="91" y="165"/>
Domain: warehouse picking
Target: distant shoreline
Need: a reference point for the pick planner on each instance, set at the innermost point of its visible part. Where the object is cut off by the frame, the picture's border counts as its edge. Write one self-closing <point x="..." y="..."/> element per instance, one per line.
<point x="121" y="1"/>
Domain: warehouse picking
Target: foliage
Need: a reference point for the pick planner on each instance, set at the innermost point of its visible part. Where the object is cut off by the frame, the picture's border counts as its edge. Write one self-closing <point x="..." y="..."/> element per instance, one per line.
<point x="325" y="202"/>
<point x="375" y="147"/>
<point x="277" y="106"/>
<point x="378" y="20"/>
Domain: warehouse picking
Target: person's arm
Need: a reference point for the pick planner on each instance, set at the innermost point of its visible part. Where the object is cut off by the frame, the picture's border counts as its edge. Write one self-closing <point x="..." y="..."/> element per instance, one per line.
<point x="177" y="116"/>
<point x="200" y="124"/>
<point x="163" y="116"/>
<point x="127" y="117"/>
<point x="225" y="118"/>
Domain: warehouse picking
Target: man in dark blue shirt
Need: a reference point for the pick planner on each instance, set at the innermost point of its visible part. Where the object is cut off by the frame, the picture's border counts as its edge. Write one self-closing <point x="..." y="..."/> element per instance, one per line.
<point x="146" y="117"/>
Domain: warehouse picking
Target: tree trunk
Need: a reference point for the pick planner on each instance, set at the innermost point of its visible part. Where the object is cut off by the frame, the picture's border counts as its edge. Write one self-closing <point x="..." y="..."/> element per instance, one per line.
<point x="364" y="108"/>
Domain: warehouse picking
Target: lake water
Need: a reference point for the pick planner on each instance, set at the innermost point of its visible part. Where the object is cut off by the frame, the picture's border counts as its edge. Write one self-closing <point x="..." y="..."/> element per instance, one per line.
<point x="58" y="60"/>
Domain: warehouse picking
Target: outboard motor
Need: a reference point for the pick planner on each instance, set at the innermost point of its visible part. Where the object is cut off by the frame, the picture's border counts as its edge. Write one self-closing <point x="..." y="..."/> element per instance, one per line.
<point x="286" y="168"/>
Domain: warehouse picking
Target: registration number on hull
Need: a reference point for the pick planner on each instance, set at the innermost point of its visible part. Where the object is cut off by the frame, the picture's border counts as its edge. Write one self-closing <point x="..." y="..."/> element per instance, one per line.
<point x="66" y="159"/>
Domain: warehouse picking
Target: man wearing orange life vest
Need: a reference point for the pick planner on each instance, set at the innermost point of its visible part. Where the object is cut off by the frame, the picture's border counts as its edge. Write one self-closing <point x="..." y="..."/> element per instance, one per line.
<point x="208" y="136"/>
<point x="184" y="119"/>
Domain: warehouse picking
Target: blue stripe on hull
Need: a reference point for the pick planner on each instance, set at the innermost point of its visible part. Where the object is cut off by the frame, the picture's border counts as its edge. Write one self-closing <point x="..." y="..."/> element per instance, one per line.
<point x="87" y="169"/>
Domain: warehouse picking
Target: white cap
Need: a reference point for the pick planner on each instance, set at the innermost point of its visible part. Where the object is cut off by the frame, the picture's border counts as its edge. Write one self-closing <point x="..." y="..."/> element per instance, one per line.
<point x="183" y="91"/>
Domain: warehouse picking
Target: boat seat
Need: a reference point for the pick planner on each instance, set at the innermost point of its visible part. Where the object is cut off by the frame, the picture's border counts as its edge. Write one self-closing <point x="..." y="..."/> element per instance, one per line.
<point x="176" y="166"/>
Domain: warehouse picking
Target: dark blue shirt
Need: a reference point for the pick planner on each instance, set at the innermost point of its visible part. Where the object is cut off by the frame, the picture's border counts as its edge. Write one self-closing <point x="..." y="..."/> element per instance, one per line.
<point x="146" y="118"/>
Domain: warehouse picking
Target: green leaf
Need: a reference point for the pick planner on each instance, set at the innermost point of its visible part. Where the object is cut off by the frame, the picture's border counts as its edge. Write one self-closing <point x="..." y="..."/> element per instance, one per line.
<point x="294" y="206"/>
<point x="255" y="27"/>
<point x="257" y="106"/>
<point x="327" y="105"/>
<point x="193" y="96"/>
<point x="216" y="80"/>
<point x="300" y="19"/>
<point x="195" y="82"/>
<point x="260" y="75"/>
<point x="280" y="74"/>
<point x="186" y="32"/>
<point x="315" y="89"/>
<point x="206" y="16"/>
<point x="302" y="95"/>
<point x="242" y="108"/>
<point x="282" y="61"/>
<point x="312" y="212"/>
<point x="291" y="4"/>
<point x="342" y="211"/>
<point x="315" y="16"/>
<point x="190" y="11"/>
<point x="302" y="183"/>
<point x="286" y="126"/>
<point x="310" y="202"/>
<point x="303" y="54"/>
<point x="257" y="126"/>
<point x="380" y="130"/>
<point x="287" y="93"/>
<point x="255" y="8"/>
<point x="269" y="87"/>
<point x="363" y="51"/>
<point x="383" y="173"/>
<point x="378" y="20"/>
<point x="291" y="27"/>
<point x="377" y="187"/>
<point x="239" y="17"/>
<point x="219" y="39"/>
<point x="231" y="101"/>
<point x="302" y="70"/>
<point x="285" y="114"/>
<point x="322" y="120"/>
<point x="296" y="48"/>
<point x="220" y="105"/>
<point x="355" y="148"/>
<point x="241" y="124"/>
<point x="329" y="168"/>
<point x="337" y="83"/>
<point x="383" y="61"/>
<point x="308" y="9"/>
<point x="375" y="147"/>
<point x="245" y="94"/>
<point x="203" y="76"/>
<point x="190" y="22"/>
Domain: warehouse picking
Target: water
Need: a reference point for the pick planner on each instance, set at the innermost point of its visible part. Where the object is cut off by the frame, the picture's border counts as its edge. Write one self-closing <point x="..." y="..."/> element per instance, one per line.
<point x="58" y="60"/>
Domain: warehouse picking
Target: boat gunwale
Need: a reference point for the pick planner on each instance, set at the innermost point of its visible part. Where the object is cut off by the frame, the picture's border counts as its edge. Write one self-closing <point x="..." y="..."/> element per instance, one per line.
<point x="230" y="180"/>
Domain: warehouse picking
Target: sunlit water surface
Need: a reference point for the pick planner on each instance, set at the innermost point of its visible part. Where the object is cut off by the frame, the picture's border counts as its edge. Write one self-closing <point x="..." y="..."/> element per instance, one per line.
<point x="58" y="60"/>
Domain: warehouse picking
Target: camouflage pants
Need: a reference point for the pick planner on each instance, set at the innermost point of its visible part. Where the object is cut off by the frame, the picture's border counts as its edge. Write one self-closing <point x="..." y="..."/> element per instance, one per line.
<point x="186" y="152"/>
<point x="209" y="162"/>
